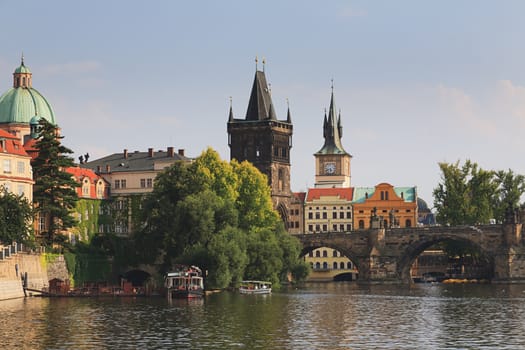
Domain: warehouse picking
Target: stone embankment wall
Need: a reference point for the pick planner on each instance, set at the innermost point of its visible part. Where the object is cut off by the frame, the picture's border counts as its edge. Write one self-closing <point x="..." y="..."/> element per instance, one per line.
<point x="15" y="266"/>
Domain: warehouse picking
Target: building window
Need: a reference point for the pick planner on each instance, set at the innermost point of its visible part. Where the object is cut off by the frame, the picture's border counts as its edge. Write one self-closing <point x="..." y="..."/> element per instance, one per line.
<point x="142" y="183"/>
<point x="335" y="265"/>
<point x="348" y="214"/>
<point x="117" y="184"/>
<point x="341" y="215"/>
<point x="149" y="183"/>
<point x="311" y="254"/>
<point x="408" y="223"/>
<point x="283" y="150"/>
<point x="334" y="253"/>
<point x="123" y="183"/>
<point x="342" y="227"/>
<point x="349" y="265"/>
<point x="41" y="223"/>
<point x="325" y="228"/>
<point x="324" y="215"/>
<point x="349" y="227"/>
<point x="408" y="210"/>
<point x="310" y="228"/>
<point x="342" y="265"/>
<point x="20" y="167"/>
<point x="317" y="254"/>
<point x="334" y="215"/>
<point x="334" y="227"/>
<point x="361" y="224"/>
<point x="310" y="215"/>
<point x="325" y="265"/>
<point x="317" y="228"/>
<point x="325" y="254"/>
<point x="317" y="215"/>
<point x="318" y="266"/>
<point x="7" y="166"/>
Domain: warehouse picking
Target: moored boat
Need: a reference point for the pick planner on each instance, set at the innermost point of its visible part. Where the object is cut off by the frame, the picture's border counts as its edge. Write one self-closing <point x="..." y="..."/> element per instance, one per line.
<point x="185" y="282"/>
<point x="255" y="287"/>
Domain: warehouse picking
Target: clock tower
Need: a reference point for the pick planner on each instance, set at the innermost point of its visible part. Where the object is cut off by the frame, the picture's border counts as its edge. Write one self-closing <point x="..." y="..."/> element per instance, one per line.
<point x="332" y="162"/>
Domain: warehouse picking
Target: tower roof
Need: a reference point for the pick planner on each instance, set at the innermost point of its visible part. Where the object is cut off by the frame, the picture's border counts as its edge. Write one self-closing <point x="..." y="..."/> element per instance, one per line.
<point x="21" y="103"/>
<point x="260" y="106"/>
<point x="332" y="131"/>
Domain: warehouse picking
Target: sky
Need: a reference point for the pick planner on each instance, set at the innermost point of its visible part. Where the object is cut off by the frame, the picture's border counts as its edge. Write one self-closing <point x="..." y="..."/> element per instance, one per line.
<point x="417" y="82"/>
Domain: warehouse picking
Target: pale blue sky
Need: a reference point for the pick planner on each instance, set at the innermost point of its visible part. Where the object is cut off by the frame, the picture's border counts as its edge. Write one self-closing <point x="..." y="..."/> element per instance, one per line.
<point x="417" y="82"/>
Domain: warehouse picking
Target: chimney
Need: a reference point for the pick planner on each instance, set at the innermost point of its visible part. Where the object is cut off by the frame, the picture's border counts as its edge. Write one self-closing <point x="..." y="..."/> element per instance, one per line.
<point x="150" y="152"/>
<point x="108" y="169"/>
<point x="170" y="152"/>
<point x="181" y="152"/>
<point x="125" y="154"/>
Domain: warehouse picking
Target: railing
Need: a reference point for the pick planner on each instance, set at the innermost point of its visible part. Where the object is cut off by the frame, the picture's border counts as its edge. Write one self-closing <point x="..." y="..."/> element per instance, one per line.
<point x="7" y="251"/>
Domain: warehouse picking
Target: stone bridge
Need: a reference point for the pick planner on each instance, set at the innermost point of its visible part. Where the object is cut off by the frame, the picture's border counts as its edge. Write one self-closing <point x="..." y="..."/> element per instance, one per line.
<point x="386" y="255"/>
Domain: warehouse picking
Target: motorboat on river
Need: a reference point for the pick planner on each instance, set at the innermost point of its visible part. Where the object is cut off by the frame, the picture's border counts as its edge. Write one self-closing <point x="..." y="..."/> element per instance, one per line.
<point x="185" y="282"/>
<point x="255" y="287"/>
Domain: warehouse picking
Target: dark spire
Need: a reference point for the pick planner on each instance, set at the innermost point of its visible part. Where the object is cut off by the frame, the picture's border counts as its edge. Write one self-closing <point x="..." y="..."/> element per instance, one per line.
<point x="288" y="115"/>
<point x="339" y="125"/>
<point x="260" y="105"/>
<point x="332" y="130"/>
<point x="230" y="118"/>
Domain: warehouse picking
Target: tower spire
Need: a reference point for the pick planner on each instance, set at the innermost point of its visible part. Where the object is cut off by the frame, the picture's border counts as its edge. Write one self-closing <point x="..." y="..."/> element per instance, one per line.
<point x="288" y="114"/>
<point x="332" y="129"/>
<point x="230" y="118"/>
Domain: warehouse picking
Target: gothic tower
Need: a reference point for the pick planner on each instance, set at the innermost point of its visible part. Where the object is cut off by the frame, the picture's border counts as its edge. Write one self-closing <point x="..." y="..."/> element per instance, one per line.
<point x="332" y="162"/>
<point x="265" y="142"/>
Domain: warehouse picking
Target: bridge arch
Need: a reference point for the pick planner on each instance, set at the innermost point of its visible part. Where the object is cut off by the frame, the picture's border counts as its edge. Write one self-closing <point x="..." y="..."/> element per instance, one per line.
<point x="412" y="251"/>
<point x="344" y="251"/>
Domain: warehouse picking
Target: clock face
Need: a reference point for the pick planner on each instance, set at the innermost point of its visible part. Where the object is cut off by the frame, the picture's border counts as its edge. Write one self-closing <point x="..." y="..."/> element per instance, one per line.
<point x="329" y="168"/>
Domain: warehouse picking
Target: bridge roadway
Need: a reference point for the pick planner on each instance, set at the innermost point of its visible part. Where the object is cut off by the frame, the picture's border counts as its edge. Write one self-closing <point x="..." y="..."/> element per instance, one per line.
<point x="386" y="255"/>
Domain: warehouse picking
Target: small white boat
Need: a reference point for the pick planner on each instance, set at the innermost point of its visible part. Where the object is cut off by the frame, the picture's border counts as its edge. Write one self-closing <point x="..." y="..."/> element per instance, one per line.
<point x="255" y="287"/>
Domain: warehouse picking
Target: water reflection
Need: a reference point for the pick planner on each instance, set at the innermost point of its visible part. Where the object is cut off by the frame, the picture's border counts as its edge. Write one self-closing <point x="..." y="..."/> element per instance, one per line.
<point x="319" y="316"/>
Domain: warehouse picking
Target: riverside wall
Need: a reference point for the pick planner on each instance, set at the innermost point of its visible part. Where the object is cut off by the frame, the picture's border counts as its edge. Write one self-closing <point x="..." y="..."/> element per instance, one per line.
<point x="39" y="272"/>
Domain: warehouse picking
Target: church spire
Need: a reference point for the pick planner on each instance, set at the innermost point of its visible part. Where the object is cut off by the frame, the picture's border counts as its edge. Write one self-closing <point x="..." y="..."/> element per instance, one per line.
<point x="288" y="114"/>
<point x="230" y="117"/>
<point x="332" y="130"/>
<point x="260" y="106"/>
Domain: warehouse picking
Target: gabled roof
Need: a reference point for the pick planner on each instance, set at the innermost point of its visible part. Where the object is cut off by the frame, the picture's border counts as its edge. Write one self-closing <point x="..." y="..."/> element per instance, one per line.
<point x="361" y="194"/>
<point x="260" y="106"/>
<point x="80" y="174"/>
<point x="11" y="144"/>
<point x="342" y="193"/>
<point x="133" y="161"/>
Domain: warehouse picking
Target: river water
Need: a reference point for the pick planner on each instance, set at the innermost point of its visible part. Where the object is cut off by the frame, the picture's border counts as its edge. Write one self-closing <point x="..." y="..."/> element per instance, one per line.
<point x="318" y="316"/>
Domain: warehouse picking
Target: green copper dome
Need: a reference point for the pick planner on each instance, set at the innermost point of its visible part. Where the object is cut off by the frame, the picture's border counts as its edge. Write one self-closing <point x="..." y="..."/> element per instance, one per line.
<point x="21" y="103"/>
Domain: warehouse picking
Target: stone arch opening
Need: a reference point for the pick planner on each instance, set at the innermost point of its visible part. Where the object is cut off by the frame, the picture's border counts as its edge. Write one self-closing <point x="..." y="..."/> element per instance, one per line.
<point x="330" y="263"/>
<point x="283" y="213"/>
<point x="137" y="277"/>
<point x="409" y="256"/>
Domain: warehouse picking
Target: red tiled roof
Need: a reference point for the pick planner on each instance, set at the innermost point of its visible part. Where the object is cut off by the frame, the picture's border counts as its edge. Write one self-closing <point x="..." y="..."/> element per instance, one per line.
<point x="343" y="193"/>
<point x="300" y="196"/>
<point x="11" y="143"/>
<point x="80" y="174"/>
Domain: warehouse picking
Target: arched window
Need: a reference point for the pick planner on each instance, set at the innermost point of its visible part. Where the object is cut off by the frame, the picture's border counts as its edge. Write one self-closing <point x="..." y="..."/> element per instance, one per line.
<point x="325" y="254"/>
<point x="334" y="253"/>
<point x="342" y="265"/>
<point x="317" y="265"/>
<point x="408" y="223"/>
<point x="335" y="265"/>
<point x="386" y="195"/>
<point x="281" y="180"/>
<point x="317" y="254"/>
<point x="361" y="224"/>
<point x="85" y="187"/>
<point x="382" y="195"/>
<point x="311" y="254"/>
<point x="349" y="265"/>
<point x="325" y="265"/>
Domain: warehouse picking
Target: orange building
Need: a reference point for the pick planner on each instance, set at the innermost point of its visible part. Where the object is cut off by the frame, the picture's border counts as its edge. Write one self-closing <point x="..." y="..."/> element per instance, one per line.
<point x="393" y="206"/>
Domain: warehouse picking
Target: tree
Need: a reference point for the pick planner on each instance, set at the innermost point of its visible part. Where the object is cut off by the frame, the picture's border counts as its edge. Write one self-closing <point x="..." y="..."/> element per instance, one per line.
<point x="217" y="215"/>
<point x="15" y="218"/>
<point x="511" y="188"/>
<point x="465" y="195"/>
<point x="54" y="192"/>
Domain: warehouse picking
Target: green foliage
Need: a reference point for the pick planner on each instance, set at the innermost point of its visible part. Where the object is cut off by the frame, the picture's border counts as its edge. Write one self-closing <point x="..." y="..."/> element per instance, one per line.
<point x="87" y="264"/>
<point x="88" y="211"/>
<point x="511" y="188"/>
<point x="471" y="195"/>
<point x="219" y="216"/>
<point x="54" y="192"/>
<point x="15" y="218"/>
